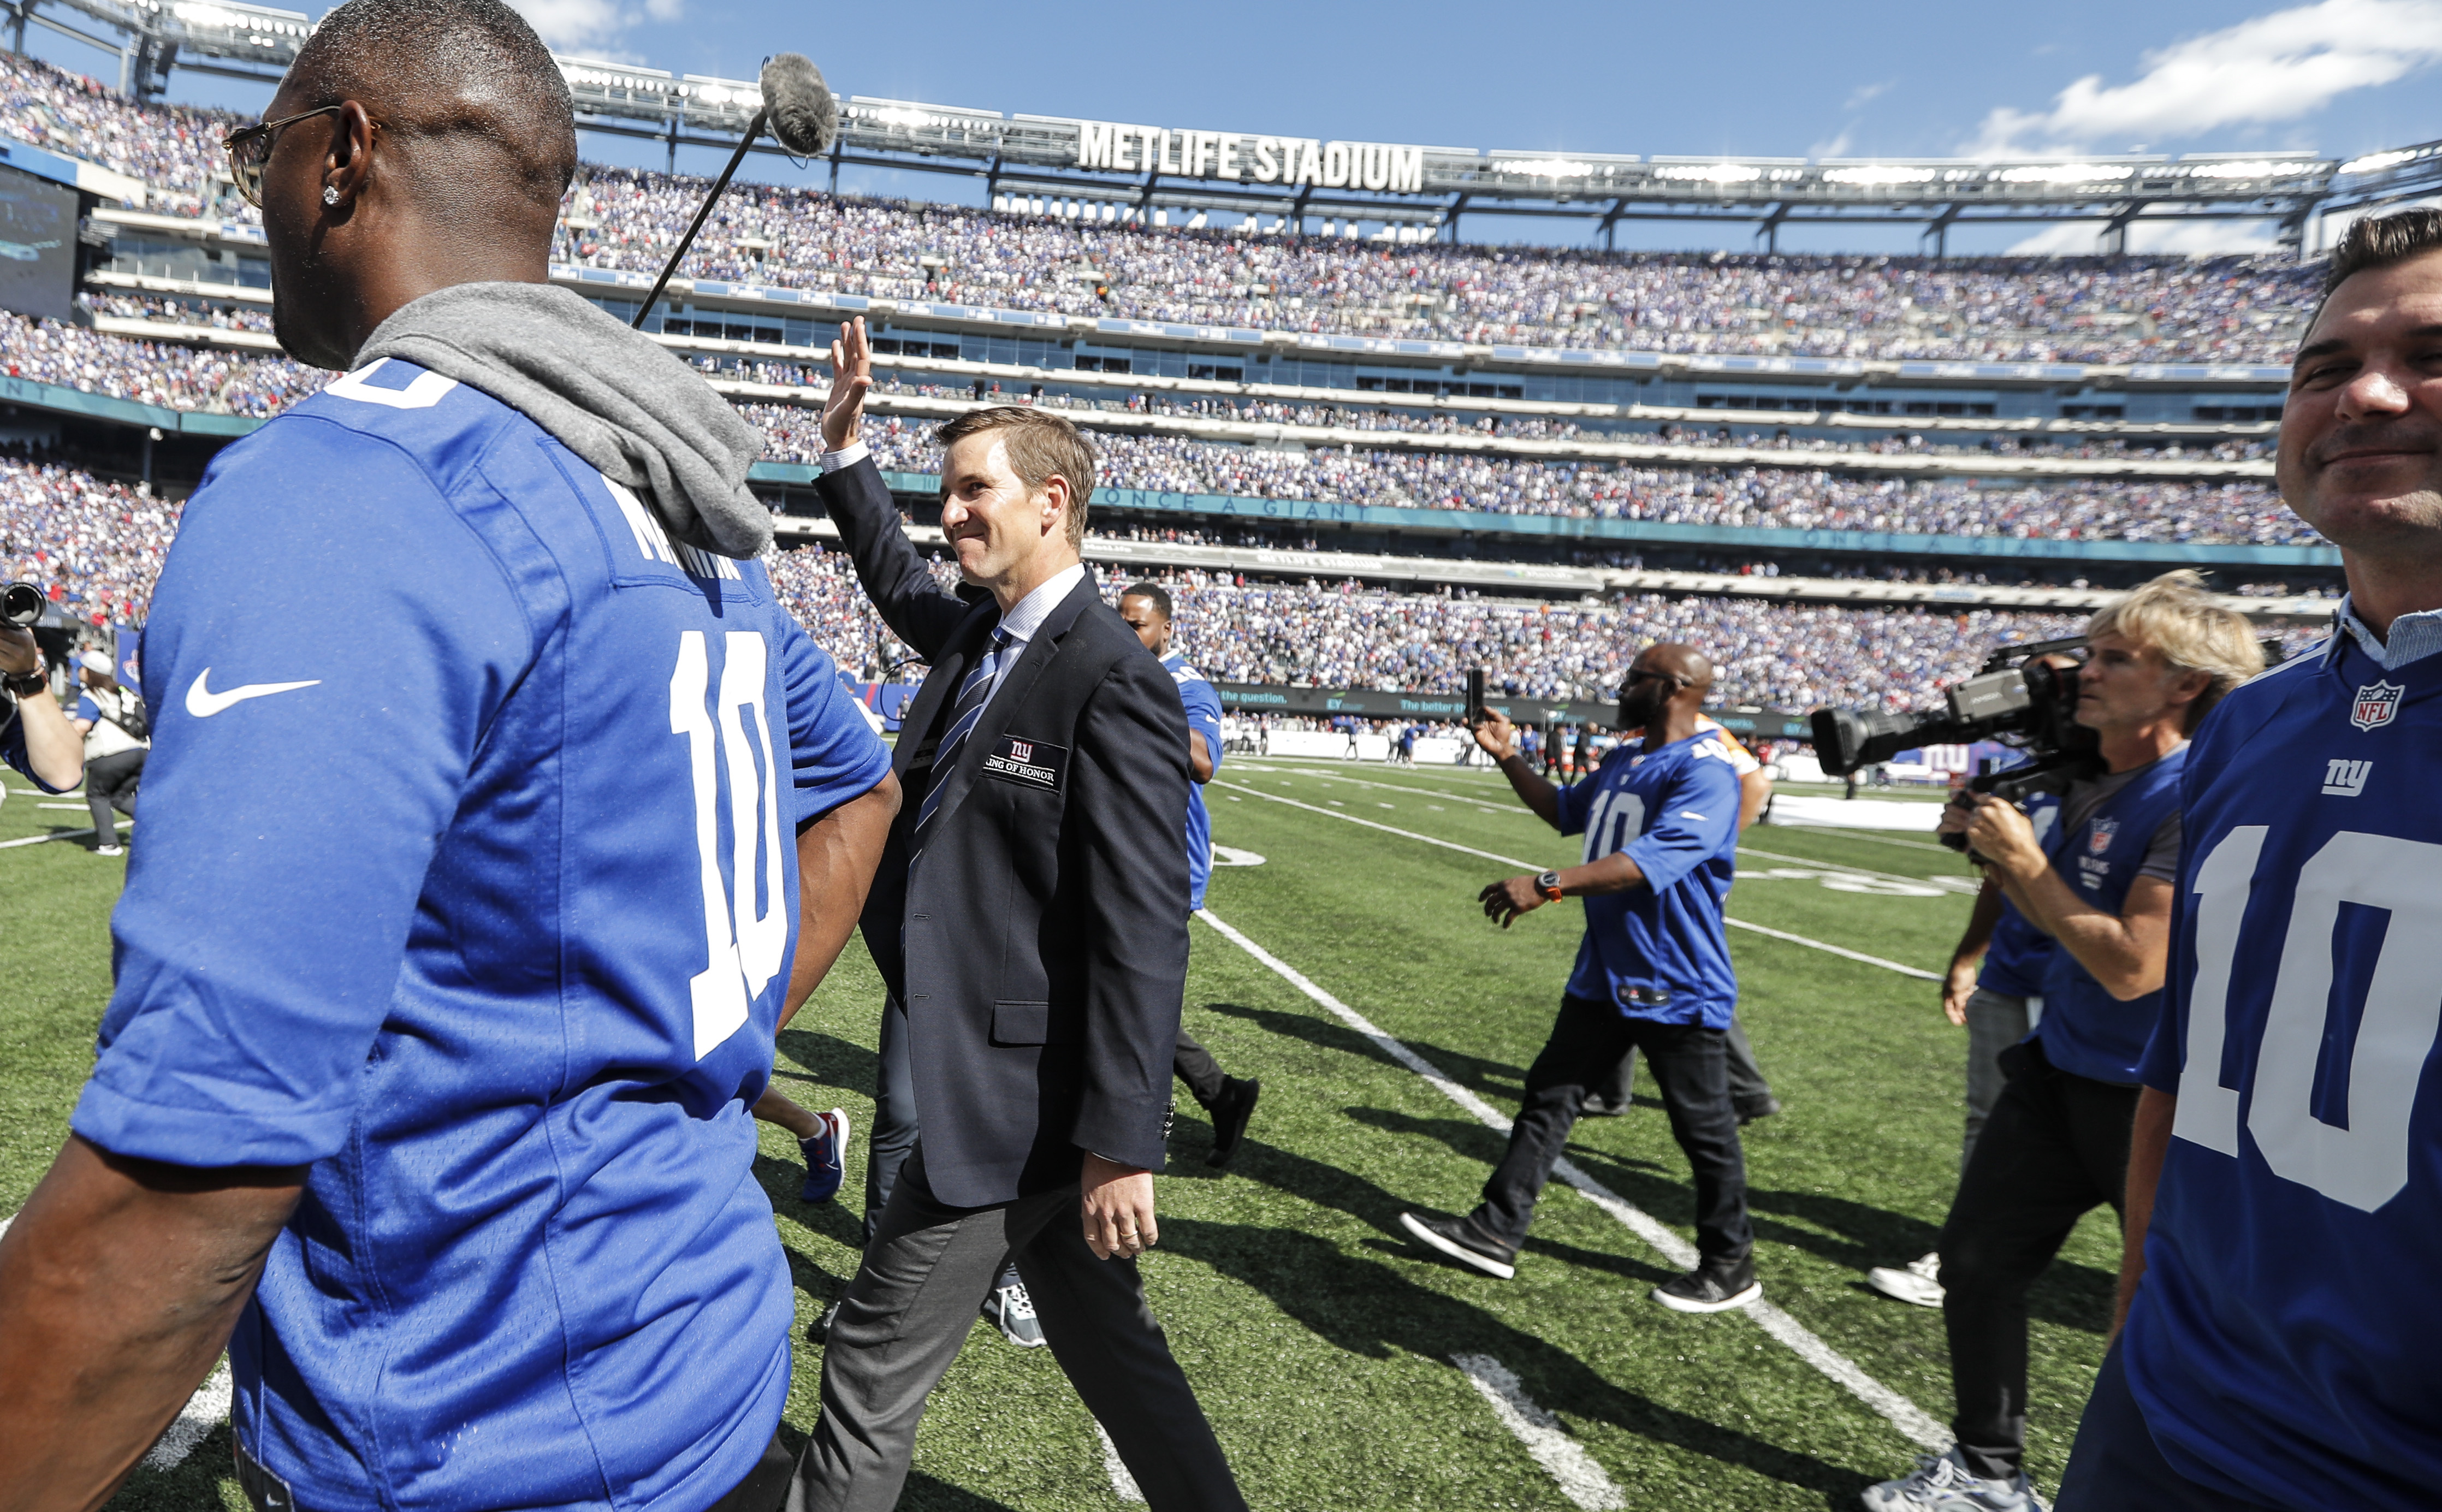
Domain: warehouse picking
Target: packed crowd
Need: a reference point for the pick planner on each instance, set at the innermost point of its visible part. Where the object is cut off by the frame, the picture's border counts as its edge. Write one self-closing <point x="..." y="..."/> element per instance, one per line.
<point x="167" y="373"/>
<point x="2232" y="309"/>
<point x="1347" y="635"/>
<point x="97" y="546"/>
<point x="1743" y="497"/>
<point x="2132" y="309"/>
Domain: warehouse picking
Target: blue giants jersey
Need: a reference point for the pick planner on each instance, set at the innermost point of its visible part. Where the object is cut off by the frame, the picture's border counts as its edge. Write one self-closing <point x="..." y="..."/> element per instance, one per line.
<point x="468" y="880"/>
<point x="2019" y="953"/>
<point x="2086" y="1030"/>
<point x="2282" y="1346"/>
<point x="1203" y="717"/>
<point x="1660" y="951"/>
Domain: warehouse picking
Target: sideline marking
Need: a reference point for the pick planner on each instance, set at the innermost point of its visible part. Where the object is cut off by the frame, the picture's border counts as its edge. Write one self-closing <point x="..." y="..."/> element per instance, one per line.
<point x="1944" y="881"/>
<point x="63" y="834"/>
<point x="1528" y="866"/>
<point x="1122" y="1484"/>
<point x="1902" y="1413"/>
<point x="1581" y="1478"/>
<point x="1847" y="833"/>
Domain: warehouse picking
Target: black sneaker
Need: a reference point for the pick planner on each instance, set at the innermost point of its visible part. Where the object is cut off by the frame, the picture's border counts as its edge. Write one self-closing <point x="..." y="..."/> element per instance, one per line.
<point x="1464" y="1241"/>
<point x="1230" y="1111"/>
<point x="1750" y="1109"/>
<point x="1711" y="1287"/>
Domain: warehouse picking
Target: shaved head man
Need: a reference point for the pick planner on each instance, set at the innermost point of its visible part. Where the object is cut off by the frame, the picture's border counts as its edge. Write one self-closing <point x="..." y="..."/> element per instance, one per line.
<point x="1661" y="826"/>
<point x="438" y="1120"/>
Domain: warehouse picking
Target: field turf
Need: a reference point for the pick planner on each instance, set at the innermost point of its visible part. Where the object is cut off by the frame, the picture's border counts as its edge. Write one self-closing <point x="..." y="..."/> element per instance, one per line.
<point x="1321" y="1341"/>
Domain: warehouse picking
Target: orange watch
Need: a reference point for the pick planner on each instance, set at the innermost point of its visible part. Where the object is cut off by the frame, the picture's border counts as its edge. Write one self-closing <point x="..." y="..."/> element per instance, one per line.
<point x="1549" y="885"/>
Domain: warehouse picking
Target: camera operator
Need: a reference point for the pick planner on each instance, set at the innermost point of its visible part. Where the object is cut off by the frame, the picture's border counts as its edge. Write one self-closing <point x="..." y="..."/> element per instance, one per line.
<point x="116" y="739"/>
<point x="2056" y="1142"/>
<point x="35" y="736"/>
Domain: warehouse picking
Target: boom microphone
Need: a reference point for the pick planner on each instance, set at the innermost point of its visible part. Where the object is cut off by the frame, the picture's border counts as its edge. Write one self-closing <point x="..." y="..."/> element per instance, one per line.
<point x="798" y="110"/>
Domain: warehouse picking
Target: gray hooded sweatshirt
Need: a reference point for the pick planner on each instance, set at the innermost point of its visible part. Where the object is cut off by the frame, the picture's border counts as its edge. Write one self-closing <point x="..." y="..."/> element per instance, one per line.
<point x="613" y="396"/>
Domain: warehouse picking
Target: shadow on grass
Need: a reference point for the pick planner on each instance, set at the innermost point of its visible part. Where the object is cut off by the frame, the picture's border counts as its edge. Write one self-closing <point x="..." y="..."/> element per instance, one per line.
<point x="1368" y="1309"/>
<point x="1490" y="1077"/>
<point x="782" y="1181"/>
<point x="832" y="1059"/>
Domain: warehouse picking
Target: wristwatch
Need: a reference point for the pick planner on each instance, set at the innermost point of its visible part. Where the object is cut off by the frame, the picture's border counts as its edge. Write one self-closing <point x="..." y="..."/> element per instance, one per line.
<point x="1549" y="885"/>
<point x="26" y="684"/>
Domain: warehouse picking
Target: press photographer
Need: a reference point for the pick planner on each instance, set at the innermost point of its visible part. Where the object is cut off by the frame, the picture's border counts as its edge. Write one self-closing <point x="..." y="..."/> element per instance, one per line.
<point x="117" y="737"/>
<point x="2100" y="884"/>
<point x="35" y="736"/>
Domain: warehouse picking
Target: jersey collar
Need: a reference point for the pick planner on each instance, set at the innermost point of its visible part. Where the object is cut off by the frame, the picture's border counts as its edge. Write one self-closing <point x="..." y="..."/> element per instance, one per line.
<point x="2413" y="638"/>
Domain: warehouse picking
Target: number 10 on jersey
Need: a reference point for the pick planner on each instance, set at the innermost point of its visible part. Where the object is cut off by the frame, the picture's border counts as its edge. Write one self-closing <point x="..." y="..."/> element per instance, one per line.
<point x="745" y="927"/>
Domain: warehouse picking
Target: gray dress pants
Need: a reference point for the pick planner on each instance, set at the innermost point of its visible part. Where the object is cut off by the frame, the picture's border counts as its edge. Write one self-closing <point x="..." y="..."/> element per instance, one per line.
<point x="910" y="1308"/>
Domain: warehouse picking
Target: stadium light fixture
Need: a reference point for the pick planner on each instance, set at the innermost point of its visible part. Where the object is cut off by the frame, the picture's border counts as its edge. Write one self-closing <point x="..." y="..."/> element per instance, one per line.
<point x="1878" y="173"/>
<point x="2377" y="162"/>
<point x="2064" y="172"/>
<point x="1544" y="168"/>
<point x="1710" y="173"/>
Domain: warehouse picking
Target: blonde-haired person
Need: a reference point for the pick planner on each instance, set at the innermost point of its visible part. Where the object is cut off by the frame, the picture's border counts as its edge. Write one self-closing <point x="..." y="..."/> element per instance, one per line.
<point x="2056" y="1143"/>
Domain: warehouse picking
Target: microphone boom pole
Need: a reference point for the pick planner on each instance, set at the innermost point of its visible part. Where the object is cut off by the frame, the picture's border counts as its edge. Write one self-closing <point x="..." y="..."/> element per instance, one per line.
<point x="753" y="129"/>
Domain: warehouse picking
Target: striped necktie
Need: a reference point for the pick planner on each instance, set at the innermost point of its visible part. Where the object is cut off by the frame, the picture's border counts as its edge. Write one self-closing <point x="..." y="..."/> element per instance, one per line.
<point x="973" y="694"/>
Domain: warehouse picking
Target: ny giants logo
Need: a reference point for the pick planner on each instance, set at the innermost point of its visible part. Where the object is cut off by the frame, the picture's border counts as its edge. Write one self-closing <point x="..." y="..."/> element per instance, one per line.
<point x="2376" y="705"/>
<point x="1021" y="751"/>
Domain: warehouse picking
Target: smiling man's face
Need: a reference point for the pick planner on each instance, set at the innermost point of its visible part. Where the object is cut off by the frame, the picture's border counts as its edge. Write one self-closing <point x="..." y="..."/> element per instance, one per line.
<point x="2361" y="435"/>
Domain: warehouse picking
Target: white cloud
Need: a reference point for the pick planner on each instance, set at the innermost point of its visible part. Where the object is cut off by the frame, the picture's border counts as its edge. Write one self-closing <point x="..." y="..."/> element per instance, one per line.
<point x="2273" y="67"/>
<point x="1836" y="147"/>
<point x="2195" y="238"/>
<point x="1865" y="95"/>
<point x="589" y="27"/>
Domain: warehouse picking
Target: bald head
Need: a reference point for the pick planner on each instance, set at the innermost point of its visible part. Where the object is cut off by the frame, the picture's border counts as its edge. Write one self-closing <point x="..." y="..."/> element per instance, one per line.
<point x="443" y="141"/>
<point x="1664" y="691"/>
<point x="469" y="74"/>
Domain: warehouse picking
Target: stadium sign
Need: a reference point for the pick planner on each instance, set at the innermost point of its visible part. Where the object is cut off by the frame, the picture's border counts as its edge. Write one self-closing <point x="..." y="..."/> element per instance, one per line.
<point x="1377" y="166"/>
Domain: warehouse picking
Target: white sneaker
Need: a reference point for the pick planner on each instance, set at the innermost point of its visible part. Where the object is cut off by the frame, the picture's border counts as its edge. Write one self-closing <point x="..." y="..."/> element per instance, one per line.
<point x="110" y="851"/>
<point x="1012" y="1310"/>
<point x="1942" y="1483"/>
<point x="1917" y="1281"/>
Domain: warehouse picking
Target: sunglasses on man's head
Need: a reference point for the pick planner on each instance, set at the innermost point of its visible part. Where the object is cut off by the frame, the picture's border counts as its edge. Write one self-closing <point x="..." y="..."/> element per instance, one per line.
<point x="249" y="151"/>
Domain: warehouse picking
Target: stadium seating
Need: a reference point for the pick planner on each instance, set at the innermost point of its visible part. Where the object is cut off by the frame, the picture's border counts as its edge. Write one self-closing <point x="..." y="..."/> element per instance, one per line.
<point x="2231" y="309"/>
<point x="98" y="545"/>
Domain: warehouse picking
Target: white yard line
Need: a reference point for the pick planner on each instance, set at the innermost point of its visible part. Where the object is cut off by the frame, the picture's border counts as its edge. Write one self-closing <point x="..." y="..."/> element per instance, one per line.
<point x="1581" y="1480"/>
<point x="36" y="840"/>
<point x="1953" y="883"/>
<point x="1530" y="866"/>
<point x="1847" y="833"/>
<point x="1901" y="1412"/>
<point x="1122" y="1484"/>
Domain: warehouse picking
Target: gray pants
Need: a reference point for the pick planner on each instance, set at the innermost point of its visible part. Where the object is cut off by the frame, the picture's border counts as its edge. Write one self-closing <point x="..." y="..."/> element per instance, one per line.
<point x="909" y="1310"/>
<point x="1995" y="1022"/>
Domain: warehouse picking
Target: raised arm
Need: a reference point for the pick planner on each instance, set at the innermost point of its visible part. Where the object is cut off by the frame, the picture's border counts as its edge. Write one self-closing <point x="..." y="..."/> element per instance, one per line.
<point x="919" y="609"/>
<point x="1499" y="740"/>
<point x="54" y="748"/>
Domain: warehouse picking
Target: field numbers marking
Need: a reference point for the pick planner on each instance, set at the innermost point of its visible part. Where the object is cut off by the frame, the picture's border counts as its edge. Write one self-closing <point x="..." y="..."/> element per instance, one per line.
<point x="1123" y="1485"/>
<point x="1531" y="867"/>
<point x="1902" y="1413"/>
<point x="1581" y="1480"/>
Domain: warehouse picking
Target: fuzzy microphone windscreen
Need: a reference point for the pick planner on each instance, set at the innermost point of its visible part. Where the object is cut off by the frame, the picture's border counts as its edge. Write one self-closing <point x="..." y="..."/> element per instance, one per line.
<point x="798" y="106"/>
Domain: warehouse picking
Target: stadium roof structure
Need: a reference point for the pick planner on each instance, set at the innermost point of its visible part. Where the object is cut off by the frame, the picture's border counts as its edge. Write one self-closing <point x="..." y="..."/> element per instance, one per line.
<point x="1120" y="170"/>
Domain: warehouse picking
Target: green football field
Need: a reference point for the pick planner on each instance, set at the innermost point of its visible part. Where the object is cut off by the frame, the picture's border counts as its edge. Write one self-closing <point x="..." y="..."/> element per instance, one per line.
<point x="1341" y="1368"/>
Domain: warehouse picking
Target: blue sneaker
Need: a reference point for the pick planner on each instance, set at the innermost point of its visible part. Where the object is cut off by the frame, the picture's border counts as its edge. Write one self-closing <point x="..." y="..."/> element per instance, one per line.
<point x="826" y="1157"/>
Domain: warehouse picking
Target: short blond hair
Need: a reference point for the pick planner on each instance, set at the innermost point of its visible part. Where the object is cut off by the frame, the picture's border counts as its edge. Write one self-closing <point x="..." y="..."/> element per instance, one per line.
<point x="2178" y="618"/>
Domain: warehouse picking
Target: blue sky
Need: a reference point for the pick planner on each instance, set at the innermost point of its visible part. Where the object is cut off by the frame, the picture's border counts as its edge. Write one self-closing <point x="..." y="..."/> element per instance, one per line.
<point x="1786" y="80"/>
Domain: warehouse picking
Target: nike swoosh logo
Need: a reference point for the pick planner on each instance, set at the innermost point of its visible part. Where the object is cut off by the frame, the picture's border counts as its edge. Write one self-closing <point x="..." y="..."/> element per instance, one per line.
<point x="203" y="702"/>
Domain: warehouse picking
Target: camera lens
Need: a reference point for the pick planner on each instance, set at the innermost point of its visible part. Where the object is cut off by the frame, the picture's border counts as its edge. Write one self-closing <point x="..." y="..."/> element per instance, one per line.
<point x="20" y="604"/>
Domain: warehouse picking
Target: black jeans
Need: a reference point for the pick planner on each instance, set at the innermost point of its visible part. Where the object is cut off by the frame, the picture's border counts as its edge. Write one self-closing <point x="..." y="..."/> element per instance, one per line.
<point x="110" y="783"/>
<point x="1195" y="1067"/>
<point x="2055" y="1147"/>
<point x="1747" y="1086"/>
<point x="1687" y="1061"/>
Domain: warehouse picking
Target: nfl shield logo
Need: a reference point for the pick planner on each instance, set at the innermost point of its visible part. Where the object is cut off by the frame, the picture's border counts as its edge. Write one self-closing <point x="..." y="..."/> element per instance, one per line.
<point x="2377" y="703"/>
<point x="2097" y="839"/>
<point x="1021" y="749"/>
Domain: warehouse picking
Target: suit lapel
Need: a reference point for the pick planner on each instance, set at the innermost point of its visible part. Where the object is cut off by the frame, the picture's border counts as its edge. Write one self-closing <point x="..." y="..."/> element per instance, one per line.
<point x="1011" y="695"/>
<point x="944" y="676"/>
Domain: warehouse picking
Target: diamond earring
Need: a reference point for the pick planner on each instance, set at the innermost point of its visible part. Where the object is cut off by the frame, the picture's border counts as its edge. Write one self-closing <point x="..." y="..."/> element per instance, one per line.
<point x="330" y="193"/>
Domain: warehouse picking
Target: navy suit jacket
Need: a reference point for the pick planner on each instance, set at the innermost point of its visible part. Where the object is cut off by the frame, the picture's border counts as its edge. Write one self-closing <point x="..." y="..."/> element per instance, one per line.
<point x="1037" y="942"/>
